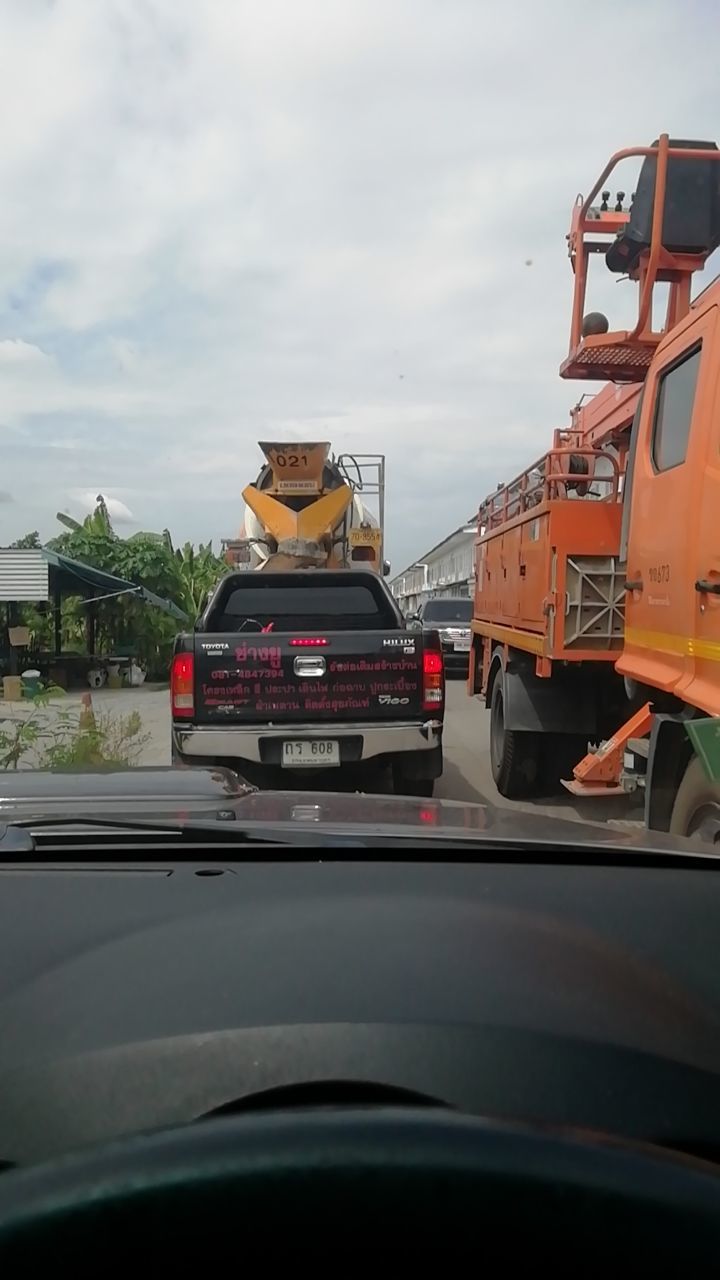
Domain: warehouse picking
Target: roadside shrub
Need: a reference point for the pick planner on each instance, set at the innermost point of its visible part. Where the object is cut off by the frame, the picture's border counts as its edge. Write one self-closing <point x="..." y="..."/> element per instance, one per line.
<point x="55" y="738"/>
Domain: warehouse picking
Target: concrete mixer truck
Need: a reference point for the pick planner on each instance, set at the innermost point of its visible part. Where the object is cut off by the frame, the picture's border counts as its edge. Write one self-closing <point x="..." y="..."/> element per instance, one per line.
<point x="301" y="663"/>
<point x="308" y="510"/>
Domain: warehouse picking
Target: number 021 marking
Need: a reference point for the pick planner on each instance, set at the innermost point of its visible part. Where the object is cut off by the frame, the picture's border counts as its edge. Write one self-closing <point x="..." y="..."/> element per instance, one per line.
<point x="290" y="459"/>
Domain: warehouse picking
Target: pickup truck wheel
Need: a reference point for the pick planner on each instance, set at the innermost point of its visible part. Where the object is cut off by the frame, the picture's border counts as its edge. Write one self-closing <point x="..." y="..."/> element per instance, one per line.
<point x="414" y="786"/>
<point x="417" y="776"/>
<point x="696" y="811"/>
<point x="514" y="755"/>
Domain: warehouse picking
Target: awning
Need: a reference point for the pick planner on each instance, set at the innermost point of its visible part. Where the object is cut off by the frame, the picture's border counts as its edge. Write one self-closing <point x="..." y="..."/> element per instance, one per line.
<point x="72" y="576"/>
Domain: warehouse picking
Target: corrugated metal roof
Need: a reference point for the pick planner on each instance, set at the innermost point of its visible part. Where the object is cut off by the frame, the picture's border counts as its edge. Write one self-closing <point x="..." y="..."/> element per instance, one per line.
<point x="24" y="574"/>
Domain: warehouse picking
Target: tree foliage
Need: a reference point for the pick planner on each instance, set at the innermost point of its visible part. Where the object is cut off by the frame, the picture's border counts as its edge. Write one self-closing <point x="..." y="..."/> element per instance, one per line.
<point x="28" y="542"/>
<point x="183" y="575"/>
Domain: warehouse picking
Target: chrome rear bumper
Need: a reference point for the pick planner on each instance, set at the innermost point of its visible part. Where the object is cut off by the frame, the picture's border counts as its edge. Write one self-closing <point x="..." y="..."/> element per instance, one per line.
<point x="246" y="742"/>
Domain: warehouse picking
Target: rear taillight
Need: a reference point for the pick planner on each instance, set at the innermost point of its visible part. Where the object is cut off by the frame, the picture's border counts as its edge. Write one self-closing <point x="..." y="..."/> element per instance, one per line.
<point x="429" y="816"/>
<point x="182" y="679"/>
<point x="308" y="642"/>
<point x="433" y="688"/>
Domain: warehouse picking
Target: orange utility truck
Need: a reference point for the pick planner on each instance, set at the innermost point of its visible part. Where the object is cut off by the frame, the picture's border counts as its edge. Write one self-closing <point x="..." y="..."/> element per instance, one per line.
<point x="596" y="631"/>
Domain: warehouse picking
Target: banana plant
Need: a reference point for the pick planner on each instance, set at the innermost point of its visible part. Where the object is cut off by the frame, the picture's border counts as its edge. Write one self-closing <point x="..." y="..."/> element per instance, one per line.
<point x="200" y="570"/>
<point x="97" y="522"/>
<point x="184" y="575"/>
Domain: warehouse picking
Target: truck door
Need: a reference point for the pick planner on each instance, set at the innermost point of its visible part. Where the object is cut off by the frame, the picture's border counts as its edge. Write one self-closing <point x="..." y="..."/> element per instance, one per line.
<point x="667" y="486"/>
<point x="704" y="689"/>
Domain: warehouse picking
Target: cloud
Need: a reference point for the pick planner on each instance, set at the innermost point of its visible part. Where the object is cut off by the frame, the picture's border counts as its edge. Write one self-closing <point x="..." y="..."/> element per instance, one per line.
<point x="117" y="510"/>
<point x="228" y="222"/>
<point x="14" y="352"/>
<point x="5" y="497"/>
<point x="126" y="355"/>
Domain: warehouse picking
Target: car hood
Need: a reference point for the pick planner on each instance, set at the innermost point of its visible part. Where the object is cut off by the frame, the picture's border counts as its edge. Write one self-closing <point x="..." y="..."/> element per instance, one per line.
<point x="398" y="815"/>
<point x="181" y="795"/>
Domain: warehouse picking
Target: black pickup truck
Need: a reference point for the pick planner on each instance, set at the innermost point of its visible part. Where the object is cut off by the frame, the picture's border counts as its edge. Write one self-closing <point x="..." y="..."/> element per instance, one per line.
<point x="290" y="673"/>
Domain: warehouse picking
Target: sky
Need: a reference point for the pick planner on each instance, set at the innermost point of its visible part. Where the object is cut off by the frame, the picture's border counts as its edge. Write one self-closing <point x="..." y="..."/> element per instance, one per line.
<point x="339" y="220"/>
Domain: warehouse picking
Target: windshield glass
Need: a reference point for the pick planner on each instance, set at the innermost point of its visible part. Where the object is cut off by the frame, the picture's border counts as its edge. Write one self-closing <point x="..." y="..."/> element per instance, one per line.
<point x="285" y="293"/>
<point x="448" y="611"/>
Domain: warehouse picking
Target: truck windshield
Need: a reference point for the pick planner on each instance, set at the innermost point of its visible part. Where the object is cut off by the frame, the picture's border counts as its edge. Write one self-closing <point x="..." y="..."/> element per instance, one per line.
<point x="300" y="607"/>
<point x="448" y="611"/>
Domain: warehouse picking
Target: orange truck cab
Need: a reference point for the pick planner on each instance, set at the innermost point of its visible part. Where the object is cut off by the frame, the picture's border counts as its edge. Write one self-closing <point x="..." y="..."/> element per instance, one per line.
<point x="596" y="631"/>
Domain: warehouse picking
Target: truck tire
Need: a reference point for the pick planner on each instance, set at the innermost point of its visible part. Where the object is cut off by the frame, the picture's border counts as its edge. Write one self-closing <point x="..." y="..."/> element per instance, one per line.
<point x="514" y="755"/>
<point x="413" y="786"/>
<point x="416" y="775"/>
<point x="696" y="811"/>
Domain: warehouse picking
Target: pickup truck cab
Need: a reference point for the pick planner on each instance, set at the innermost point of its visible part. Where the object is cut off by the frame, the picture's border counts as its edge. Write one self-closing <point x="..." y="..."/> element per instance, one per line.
<point x="290" y="673"/>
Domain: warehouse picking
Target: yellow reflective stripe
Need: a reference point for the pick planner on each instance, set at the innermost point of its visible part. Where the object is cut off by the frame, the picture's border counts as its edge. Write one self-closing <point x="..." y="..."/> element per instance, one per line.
<point x="669" y="642"/>
<point x="525" y="640"/>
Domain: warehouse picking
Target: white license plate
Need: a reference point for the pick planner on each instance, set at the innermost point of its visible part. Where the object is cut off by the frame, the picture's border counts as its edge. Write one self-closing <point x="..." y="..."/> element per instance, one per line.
<point x="462" y="646"/>
<point x="310" y="753"/>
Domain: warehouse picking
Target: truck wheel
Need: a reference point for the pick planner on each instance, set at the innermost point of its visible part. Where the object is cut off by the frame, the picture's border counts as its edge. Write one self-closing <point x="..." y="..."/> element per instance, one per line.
<point x="514" y="755"/>
<point x="414" y="787"/>
<point x="417" y="776"/>
<point x="696" y="811"/>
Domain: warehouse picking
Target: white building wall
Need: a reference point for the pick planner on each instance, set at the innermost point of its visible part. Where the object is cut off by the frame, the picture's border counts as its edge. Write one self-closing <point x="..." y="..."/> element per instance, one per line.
<point x="446" y="570"/>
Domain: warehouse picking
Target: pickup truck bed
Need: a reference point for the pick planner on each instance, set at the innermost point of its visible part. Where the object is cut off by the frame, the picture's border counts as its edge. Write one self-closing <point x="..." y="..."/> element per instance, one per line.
<point x="290" y="673"/>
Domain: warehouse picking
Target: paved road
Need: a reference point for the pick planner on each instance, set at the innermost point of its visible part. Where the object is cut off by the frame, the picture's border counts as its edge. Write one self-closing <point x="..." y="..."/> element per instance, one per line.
<point x="467" y="773"/>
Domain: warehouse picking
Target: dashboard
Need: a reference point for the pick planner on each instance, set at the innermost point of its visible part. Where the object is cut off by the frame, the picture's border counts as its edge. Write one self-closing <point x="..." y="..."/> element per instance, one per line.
<point x="139" y="995"/>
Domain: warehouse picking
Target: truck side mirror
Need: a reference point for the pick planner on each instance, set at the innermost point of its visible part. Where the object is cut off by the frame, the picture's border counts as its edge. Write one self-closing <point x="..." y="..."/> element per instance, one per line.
<point x="385" y="568"/>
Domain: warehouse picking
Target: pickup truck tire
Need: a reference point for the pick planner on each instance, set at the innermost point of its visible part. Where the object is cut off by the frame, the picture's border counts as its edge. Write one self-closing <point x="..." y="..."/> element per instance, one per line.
<point x="416" y="775"/>
<point x="413" y="786"/>
<point x="696" y="811"/>
<point x="514" y="755"/>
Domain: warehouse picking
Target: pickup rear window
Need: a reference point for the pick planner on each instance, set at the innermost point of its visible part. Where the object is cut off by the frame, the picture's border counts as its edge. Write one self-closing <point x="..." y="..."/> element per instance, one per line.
<point x="300" y="606"/>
